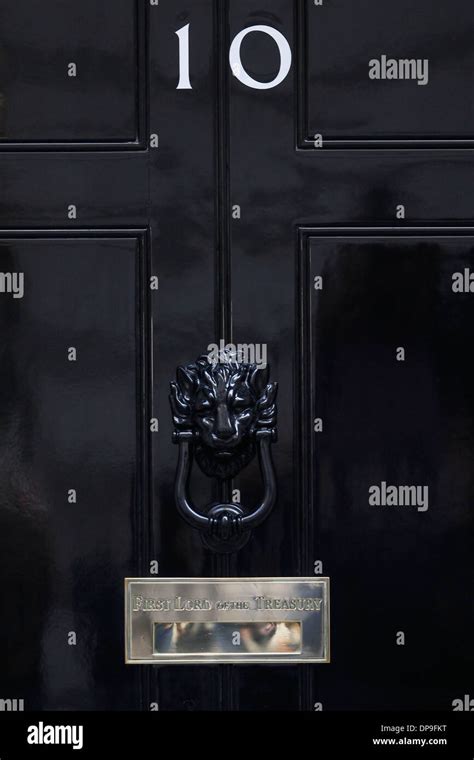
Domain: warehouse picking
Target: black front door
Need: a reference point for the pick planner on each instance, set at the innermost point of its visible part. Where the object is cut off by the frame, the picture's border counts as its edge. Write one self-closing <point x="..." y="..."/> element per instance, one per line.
<point x="290" y="177"/>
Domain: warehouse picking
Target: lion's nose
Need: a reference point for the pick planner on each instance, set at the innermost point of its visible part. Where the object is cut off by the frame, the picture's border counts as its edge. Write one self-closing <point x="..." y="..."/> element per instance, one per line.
<point x="223" y="429"/>
<point x="224" y="434"/>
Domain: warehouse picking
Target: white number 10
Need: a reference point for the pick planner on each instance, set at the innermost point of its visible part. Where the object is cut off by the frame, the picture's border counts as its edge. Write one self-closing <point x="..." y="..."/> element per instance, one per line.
<point x="235" y="60"/>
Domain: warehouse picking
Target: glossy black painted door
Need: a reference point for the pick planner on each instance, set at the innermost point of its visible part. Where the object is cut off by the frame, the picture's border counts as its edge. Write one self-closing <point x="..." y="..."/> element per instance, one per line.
<point x="325" y="218"/>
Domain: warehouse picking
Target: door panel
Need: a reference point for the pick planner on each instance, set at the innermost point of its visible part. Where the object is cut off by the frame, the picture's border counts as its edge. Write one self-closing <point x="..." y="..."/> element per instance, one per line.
<point x="71" y="454"/>
<point x="391" y="422"/>
<point x="42" y="99"/>
<point x="376" y="73"/>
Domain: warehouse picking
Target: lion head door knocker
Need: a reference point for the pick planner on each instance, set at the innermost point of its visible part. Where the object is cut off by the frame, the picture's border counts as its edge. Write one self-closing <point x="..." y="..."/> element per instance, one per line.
<point x="224" y="414"/>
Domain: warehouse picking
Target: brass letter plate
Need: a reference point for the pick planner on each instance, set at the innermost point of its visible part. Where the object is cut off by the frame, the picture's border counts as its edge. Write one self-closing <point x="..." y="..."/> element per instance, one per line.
<point x="226" y="620"/>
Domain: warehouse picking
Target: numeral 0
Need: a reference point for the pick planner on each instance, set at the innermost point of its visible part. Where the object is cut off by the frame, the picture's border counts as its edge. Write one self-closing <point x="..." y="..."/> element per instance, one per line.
<point x="235" y="59"/>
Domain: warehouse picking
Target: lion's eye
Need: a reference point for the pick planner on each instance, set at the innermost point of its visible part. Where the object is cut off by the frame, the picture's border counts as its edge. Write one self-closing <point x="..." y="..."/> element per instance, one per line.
<point x="204" y="405"/>
<point x="240" y="404"/>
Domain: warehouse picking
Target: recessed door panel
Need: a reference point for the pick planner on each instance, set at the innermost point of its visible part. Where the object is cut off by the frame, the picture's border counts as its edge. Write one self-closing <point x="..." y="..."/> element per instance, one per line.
<point x="70" y="468"/>
<point x="389" y="363"/>
<point x="380" y="72"/>
<point x="69" y="71"/>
